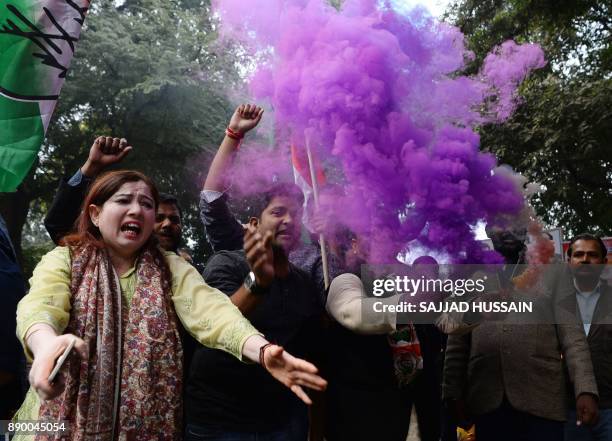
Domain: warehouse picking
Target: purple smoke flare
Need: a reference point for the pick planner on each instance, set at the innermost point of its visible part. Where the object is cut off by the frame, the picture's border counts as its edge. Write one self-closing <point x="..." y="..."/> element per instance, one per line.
<point x="374" y="91"/>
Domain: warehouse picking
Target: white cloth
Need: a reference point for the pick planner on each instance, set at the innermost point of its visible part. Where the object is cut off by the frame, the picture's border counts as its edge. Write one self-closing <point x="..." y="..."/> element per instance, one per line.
<point x="347" y="301"/>
<point x="211" y="195"/>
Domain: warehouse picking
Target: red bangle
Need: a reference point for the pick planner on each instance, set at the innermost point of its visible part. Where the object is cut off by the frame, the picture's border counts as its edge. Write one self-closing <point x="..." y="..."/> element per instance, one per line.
<point x="262" y="350"/>
<point x="233" y="134"/>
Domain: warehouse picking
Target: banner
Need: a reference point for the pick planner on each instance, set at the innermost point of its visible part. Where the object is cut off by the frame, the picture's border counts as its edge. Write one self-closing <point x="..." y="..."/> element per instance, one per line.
<point x="37" y="43"/>
<point x="301" y="174"/>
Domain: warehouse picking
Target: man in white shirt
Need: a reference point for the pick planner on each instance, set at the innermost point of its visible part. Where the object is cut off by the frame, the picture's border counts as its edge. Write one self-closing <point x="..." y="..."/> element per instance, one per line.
<point x="587" y="257"/>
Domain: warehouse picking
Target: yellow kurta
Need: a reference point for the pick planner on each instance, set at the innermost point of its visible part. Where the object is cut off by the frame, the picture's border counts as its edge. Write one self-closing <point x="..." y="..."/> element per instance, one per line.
<point x="205" y="312"/>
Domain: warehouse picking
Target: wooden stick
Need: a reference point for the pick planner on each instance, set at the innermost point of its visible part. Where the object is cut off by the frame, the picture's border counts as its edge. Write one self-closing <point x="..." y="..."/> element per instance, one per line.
<point x="315" y="191"/>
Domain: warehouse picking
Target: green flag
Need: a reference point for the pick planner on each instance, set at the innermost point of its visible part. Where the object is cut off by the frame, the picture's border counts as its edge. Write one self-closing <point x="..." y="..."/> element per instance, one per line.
<point x="37" y="41"/>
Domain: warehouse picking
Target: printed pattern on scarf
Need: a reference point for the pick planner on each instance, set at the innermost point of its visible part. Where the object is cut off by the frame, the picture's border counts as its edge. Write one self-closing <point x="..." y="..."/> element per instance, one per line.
<point x="134" y="352"/>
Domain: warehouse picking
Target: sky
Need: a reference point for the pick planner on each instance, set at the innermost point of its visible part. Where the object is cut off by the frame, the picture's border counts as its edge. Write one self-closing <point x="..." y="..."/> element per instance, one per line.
<point x="436" y="7"/>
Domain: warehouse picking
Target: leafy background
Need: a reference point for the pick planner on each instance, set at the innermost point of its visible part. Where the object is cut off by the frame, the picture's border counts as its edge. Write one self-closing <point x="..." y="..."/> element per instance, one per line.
<point x="154" y="72"/>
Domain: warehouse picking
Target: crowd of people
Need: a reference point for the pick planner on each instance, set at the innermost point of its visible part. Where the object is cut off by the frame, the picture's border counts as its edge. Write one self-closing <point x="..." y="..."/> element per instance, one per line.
<point x="257" y="347"/>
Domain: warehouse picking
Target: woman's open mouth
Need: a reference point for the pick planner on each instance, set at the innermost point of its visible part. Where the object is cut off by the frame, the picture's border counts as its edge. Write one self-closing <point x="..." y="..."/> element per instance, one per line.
<point x="131" y="229"/>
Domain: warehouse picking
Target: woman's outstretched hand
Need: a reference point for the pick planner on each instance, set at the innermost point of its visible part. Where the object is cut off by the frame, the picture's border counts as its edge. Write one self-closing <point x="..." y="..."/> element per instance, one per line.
<point x="48" y="349"/>
<point x="293" y="372"/>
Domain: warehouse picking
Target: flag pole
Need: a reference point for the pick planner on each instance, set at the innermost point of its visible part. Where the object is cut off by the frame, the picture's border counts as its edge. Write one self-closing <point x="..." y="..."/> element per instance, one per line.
<point x="315" y="192"/>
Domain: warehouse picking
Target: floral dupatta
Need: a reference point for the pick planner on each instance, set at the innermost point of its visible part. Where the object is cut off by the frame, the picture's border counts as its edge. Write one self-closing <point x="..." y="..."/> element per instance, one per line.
<point x="129" y="388"/>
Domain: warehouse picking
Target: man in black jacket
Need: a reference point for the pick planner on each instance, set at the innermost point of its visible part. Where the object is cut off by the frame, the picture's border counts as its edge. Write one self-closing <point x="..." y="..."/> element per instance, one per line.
<point x="593" y="303"/>
<point x="227" y="399"/>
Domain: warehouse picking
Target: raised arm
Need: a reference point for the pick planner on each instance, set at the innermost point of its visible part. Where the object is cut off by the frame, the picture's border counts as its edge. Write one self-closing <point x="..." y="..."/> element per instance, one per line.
<point x="349" y="305"/>
<point x="245" y="118"/>
<point x="223" y="231"/>
<point x="66" y="205"/>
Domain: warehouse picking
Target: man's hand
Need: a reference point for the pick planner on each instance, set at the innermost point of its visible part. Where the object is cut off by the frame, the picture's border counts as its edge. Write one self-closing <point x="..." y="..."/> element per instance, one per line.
<point x="105" y="151"/>
<point x="245" y="118"/>
<point x="260" y="256"/>
<point x="292" y="372"/>
<point x="321" y="223"/>
<point x="587" y="410"/>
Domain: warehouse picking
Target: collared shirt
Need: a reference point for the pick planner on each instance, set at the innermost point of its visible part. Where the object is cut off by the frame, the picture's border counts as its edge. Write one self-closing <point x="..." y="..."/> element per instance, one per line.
<point x="587" y="301"/>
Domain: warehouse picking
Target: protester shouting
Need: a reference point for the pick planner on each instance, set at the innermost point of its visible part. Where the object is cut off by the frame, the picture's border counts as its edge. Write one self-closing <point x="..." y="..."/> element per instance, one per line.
<point x="120" y="297"/>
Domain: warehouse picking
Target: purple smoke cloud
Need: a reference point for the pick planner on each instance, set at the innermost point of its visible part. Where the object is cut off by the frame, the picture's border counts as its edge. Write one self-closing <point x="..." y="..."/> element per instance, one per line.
<point x="373" y="92"/>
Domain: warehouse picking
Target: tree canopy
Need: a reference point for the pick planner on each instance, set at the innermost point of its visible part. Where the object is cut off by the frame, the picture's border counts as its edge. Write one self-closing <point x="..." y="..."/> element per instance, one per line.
<point x="147" y="70"/>
<point x="561" y="135"/>
<point x="154" y="72"/>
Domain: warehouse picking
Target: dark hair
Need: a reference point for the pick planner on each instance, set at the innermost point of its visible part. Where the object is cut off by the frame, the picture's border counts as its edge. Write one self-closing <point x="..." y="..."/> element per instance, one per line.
<point x="587" y="236"/>
<point x="344" y="236"/>
<point x="101" y="190"/>
<point x="425" y="260"/>
<point x="260" y="202"/>
<point x="166" y="198"/>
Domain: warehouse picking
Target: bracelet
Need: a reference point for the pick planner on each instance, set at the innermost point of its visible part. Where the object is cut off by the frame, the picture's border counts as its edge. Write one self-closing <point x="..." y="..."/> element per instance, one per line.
<point x="262" y="350"/>
<point x="233" y="134"/>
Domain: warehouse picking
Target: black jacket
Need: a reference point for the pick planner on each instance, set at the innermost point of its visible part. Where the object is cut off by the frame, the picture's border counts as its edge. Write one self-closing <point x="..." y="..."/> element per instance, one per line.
<point x="66" y="207"/>
<point x="225" y="393"/>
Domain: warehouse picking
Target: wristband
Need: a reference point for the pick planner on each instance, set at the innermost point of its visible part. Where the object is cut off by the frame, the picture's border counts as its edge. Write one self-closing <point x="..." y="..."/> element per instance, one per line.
<point x="233" y="134"/>
<point x="262" y="351"/>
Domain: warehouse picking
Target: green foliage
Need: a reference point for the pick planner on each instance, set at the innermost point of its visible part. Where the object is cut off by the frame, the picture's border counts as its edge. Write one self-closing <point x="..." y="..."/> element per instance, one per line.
<point x="560" y="138"/>
<point x="574" y="33"/>
<point x="561" y="135"/>
<point x="150" y="71"/>
<point x="336" y="3"/>
<point x="32" y="254"/>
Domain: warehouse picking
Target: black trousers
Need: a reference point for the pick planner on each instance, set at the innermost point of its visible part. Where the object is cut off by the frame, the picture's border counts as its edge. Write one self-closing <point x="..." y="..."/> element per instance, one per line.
<point x="428" y="404"/>
<point x="364" y="415"/>
<point x="508" y="424"/>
